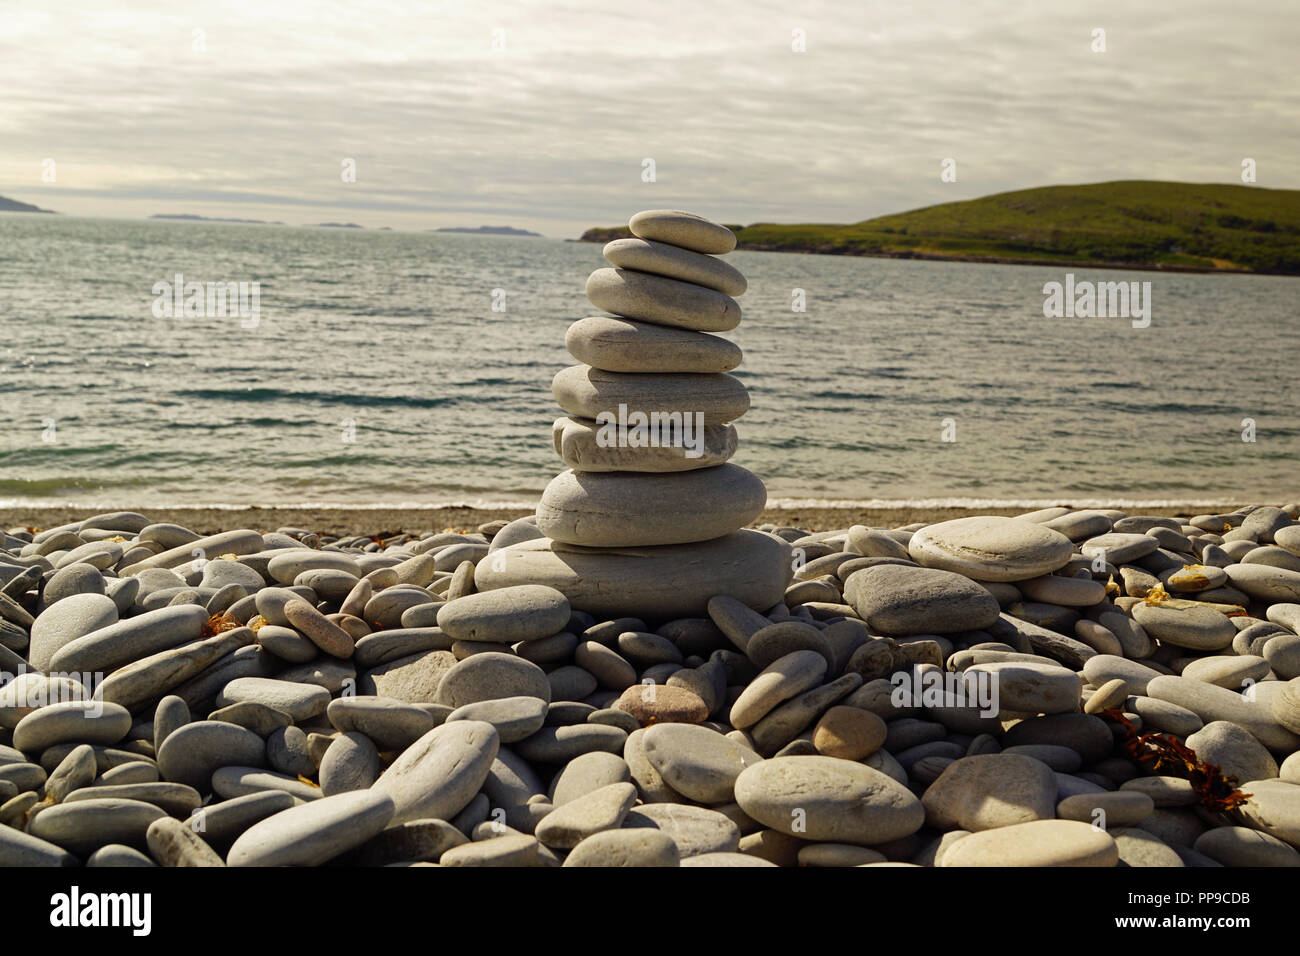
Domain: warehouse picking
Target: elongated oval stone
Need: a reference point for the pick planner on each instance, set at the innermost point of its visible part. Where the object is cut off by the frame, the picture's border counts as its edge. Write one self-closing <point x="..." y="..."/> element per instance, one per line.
<point x="286" y="566"/>
<point x="639" y="510"/>
<point x="585" y="445"/>
<point x="242" y="541"/>
<point x="439" y="774"/>
<point x="22" y="849"/>
<point x="492" y="676"/>
<point x="191" y="753"/>
<point x="1036" y="843"/>
<point x="991" y="548"/>
<point x="697" y="762"/>
<point x="675" y="262"/>
<point x="127" y="641"/>
<point x="826" y="799"/>
<point x="897" y="600"/>
<point x="1185" y="624"/>
<point x="684" y="229"/>
<point x="1265" y="583"/>
<point x="675" y="398"/>
<point x="311" y="834"/>
<point x="1212" y="703"/>
<point x="506" y="616"/>
<point x="616" y="344"/>
<point x="639" y="295"/>
<point x="61" y="623"/>
<point x="86" y="825"/>
<point x="92" y="722"/>
<point x="666" y="581"/>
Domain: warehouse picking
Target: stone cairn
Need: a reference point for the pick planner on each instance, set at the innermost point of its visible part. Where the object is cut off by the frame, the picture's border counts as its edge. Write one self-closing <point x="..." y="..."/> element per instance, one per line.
<point x="650" y="510"/>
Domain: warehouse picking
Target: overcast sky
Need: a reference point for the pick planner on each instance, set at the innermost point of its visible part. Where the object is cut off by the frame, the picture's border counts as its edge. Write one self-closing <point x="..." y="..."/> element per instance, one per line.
<point x="253" y="116"/>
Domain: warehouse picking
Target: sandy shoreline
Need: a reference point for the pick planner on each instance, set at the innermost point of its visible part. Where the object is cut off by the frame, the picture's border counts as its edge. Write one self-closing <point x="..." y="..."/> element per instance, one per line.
<point x="381" y="521"/>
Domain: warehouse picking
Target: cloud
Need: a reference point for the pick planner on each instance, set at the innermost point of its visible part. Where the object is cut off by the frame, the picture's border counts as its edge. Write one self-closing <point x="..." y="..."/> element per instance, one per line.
<point x="550" y="131"/>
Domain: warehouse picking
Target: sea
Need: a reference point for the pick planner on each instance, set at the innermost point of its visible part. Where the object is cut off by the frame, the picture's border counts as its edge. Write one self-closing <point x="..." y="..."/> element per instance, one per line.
<point x="389" y="369"/>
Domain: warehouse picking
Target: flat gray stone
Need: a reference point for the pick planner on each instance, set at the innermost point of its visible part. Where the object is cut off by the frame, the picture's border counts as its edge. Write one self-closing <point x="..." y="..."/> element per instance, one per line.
<point x="990" y="548"/>
<point x="351" y="762"/>
<point x="220" y="823"/>
<point x="778" y="682"/>
<point x="514" y="717"/>
<point x="695" y="830"/>
<point x="1212" y="703"/>
<point x="587" y="773"/>
<point x="557" y="745"/>
<point x="85" y="826"/>
<point x="990" y="790"/>
<point x="1185" y="624"/>
<point x="73" y="617"/>
<point x="640" y="509"/>
<point x="90" y="722"/>
<point x="684" y="229"/>
<point x="603" y="809"/>
<point x="1031" y="688"/>
<point x="172" y="843"/>
<point x="897" y="600"/>
<point x="582" y="445"/>
<point x="414" y="679"/>
<point x="439" y="774"/>
<point x="313" y="833"/>
<point x="126" y="641"/>
<point x="22" y="849"/>
<point x="667" y="581"/>
<point x="697" y="762"/>
<point x="146" y="680"/>
<point x="637" y="847"/>
<point x="1242" y="846"/>
<point x="1274" y="807"/>
<point x="506" y="615"/>
<point x="299" y="701"/>
<point x="492" y="676"/>
<point x="191" y="753"/>
<point x="827" y="799"/>
<point x="231" y="782"/>
<point x="391" y="724"/>
<point x="663" y="301"/>
<point x="674" y="262"/>
<point x="1234" y="750"/>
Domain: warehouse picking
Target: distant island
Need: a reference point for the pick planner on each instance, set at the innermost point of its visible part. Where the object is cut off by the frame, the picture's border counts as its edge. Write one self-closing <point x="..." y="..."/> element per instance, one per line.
<point x="334" y="225"/>
<point x="190" y="217"/>
<point x="13" y="205"/>
<point x="1132" y="224"/>
<point x="490" y="231"/>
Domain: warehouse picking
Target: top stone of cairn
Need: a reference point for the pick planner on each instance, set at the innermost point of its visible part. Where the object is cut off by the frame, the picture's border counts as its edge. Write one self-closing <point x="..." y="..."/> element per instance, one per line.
<point x="683" y="229"/>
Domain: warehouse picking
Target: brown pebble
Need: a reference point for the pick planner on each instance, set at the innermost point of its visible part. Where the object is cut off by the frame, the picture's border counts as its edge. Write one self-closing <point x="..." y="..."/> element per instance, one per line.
<point x="662" y="703"/>
<point x="319" y="629"/>
<point x="849" y="733"/>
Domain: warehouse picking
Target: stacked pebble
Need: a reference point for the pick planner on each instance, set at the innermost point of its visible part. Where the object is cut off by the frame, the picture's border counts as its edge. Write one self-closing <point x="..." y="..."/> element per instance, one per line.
<point x="654" y="356"/>
<point x="297" y="699"/>
<point x="669" y="491"/>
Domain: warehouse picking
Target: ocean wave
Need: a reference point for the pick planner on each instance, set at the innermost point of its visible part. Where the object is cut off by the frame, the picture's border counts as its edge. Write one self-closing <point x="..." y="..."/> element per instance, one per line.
<point x="324" y="398"/>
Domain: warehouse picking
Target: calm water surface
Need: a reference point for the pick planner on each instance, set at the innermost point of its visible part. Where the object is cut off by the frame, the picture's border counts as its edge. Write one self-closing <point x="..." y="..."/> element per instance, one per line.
<point x="380" y="374"/>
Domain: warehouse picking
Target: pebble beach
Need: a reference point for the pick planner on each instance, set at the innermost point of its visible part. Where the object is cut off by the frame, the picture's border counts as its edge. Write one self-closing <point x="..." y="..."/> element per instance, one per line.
<point x="651" y="667"/>
<point x="296" y="698"/>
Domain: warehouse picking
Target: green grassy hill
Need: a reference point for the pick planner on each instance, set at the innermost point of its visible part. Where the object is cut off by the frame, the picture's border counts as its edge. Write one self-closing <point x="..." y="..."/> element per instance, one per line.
<point x="1134" y="224"/>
